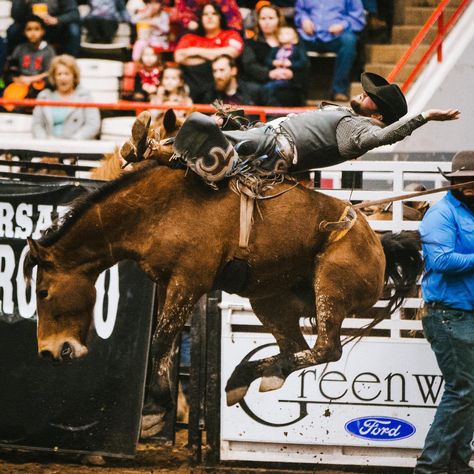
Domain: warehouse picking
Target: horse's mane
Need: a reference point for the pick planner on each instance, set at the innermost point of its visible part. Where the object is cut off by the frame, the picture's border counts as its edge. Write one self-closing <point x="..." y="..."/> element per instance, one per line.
<point x="83" y="203"/>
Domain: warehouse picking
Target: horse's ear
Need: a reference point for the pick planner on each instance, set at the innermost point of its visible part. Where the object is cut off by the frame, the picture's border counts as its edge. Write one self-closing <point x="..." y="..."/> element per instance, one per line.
<point x="169" y="121"/>
<point x="37" y="251"/>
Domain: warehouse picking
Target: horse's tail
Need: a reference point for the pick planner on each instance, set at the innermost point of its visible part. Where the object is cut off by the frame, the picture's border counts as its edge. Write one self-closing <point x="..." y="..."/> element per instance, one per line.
<point x="403" y="265"/>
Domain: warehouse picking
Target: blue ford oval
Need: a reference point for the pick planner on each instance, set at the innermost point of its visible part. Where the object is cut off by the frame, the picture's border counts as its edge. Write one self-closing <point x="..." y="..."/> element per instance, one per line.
<point x="380" y="428"/>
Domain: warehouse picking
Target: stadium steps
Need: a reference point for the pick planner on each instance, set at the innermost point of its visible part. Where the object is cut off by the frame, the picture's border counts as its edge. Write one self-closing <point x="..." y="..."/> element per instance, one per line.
<point x="409" y="17"/>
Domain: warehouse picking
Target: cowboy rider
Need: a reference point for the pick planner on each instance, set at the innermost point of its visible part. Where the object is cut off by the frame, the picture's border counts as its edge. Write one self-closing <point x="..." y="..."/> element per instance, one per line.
<point x="314" y="139"/>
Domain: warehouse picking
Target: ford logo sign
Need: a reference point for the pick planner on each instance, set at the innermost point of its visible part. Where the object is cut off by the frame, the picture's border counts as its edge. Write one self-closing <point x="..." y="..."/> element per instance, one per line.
<point x="380" y="428"/>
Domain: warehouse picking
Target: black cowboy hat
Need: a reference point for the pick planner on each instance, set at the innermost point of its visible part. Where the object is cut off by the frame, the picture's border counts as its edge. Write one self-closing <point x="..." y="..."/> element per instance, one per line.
<point x="462" y="165"/>
<point x="388" y="97"/>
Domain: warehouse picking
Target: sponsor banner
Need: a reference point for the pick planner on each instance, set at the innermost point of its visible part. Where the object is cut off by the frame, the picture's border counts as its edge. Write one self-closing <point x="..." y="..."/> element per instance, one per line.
<point x="92" y="404"/>
<point x="381" y="393"/>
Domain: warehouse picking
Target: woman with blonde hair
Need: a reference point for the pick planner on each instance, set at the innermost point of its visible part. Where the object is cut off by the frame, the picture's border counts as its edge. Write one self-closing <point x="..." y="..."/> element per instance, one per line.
<point x="256" y="71"/>
<point x="75" y="123"/>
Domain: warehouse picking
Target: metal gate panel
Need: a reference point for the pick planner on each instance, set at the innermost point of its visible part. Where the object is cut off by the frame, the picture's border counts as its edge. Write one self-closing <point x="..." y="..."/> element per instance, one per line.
<point x="306" y="419"/>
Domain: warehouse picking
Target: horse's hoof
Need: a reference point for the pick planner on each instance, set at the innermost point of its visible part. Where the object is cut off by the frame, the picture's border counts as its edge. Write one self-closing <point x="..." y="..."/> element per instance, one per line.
<point x="152" y="425"/>
<point x="93" y="460"/>
<point x="140" y="131"/>
<point x="271" y="382"/>
<point x="235" y="395"/>
<point x="128" y="152"/>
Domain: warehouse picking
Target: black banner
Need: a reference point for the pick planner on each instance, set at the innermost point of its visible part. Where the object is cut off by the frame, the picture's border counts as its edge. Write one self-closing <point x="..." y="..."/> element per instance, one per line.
<point x="88" y="405"/>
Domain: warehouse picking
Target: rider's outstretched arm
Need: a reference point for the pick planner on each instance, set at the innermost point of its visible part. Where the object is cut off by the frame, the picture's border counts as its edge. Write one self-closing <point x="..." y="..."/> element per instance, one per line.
<point x="356" y="135"/>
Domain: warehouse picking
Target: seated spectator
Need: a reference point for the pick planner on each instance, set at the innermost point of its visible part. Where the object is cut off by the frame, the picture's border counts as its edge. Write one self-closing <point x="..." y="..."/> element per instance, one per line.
<point x="153" y="26"/>
<point x="30" y="61"/>
<point x="147" y="78"/>
<point x="380" y="19"/>
<point x="285" y="61"/>
<point x="61" y="18"/>
<point x="332" y="27"/>
<point x="76" y="123"/>
<point x="103" y="20"/>
<point x="172" y="90"/>
<point x="186" y="13"/>
<point x="194" y="52"/>
<point x="256" y="71"/>
<point x="227" y="87"/>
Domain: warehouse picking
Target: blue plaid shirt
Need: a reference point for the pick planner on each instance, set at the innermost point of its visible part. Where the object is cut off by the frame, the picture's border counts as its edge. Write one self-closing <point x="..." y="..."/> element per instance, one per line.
<point x="447" y="233"/>
<point x="324" y="13"/>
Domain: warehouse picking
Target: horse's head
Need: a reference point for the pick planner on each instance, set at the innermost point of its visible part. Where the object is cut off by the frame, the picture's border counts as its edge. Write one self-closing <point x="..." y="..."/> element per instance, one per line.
<point x="65" y="304"/>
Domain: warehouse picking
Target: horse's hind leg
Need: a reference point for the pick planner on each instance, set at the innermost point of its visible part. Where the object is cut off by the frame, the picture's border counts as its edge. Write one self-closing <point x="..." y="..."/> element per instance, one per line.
<point x="348" y="279"/>
<point x="280" y="315"/>
<point x="342" y="286"/>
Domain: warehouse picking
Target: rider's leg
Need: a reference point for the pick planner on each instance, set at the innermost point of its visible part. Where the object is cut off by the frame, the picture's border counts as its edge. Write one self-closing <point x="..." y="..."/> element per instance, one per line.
<point x="254" y="141"/>
<point x="201" y="143"/>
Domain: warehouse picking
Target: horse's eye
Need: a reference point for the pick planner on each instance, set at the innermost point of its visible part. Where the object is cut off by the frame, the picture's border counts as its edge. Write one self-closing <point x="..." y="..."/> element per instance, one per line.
<point x="43" y="293"/>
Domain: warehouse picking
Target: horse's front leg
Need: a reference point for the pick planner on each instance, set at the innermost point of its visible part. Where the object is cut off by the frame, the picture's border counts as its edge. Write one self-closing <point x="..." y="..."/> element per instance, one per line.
<point x="178" y="303"/>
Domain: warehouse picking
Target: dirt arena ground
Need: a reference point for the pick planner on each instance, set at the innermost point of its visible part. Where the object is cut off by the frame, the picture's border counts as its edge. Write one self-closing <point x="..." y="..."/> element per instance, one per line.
<point x="150" y="459"/>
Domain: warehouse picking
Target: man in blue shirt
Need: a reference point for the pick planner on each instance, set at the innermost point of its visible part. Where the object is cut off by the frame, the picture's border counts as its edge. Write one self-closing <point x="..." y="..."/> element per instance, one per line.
<point x="447" y="233"/>
<point x="332" y="26"/>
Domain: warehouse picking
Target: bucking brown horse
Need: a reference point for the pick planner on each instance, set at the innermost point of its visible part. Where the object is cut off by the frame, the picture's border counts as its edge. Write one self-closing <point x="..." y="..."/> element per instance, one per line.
<point x="185" y="237"/>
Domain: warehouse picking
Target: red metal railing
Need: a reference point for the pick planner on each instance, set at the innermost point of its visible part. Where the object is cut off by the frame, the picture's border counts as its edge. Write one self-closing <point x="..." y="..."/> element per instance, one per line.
<point x="261" y="112"/>
<point x="437" y="44"/>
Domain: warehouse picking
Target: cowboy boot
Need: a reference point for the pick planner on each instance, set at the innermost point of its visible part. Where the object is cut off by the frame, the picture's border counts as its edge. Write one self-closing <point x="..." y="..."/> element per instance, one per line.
<point x="134" y="148"/>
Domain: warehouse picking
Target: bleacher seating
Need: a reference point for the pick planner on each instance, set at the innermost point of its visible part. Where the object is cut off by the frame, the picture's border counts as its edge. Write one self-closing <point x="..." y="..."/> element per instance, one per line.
<point x="102" y="78"/>
<point x="5" y="19"/>
<point x="120" y="43"/>
<point x="15" y="126"/>
<point x="116" y="129"/>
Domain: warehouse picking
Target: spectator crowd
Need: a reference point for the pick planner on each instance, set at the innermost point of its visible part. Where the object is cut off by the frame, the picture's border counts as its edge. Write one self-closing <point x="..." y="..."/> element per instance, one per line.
<point x="184" y="51"/>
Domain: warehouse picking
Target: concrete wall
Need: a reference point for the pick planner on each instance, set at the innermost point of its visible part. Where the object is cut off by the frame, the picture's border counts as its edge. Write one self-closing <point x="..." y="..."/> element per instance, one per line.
<point x="444" y="86"/>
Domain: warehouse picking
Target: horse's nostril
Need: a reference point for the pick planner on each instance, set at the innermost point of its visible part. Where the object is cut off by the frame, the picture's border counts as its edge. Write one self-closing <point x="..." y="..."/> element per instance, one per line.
<point x="66" y="351"/>
<point x="45" y="354"/>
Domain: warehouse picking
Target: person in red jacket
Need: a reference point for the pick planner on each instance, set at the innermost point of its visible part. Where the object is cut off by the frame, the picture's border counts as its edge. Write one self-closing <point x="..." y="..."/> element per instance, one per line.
<point x="195" y="52"/>
<point x="186" y="13"/>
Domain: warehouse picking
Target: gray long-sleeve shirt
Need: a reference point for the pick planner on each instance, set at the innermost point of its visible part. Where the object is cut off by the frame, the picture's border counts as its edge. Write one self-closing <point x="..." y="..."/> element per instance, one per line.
<point x="357" y="135"/>
<point x="333" y="134"/>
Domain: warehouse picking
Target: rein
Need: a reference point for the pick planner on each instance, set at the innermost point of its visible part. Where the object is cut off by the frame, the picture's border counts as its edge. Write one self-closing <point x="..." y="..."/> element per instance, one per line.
<point x="411" y="195"/>
<point x="346" y="221"/>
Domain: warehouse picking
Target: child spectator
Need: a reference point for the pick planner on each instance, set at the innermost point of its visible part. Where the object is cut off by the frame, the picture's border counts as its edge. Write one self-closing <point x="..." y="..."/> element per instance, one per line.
<point x="172" y="90"/>
<point x="30" y="61"/>
<point x="147" y="79"/>
<point x="103" y="19"/>
<point x="285" y="60"/>
<point x="153" y="26"/>
<point x="61" y="18"/>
